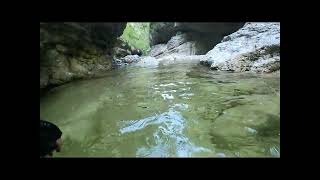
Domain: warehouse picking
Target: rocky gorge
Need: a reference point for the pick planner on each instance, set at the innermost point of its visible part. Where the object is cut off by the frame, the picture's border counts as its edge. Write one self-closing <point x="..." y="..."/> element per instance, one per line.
<point x="162" y="89"/>
<point x="70" y="51"/>
<point x="253" y="47"/>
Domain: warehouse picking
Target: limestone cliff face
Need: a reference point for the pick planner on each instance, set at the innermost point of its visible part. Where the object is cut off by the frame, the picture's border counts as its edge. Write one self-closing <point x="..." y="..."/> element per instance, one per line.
<point x="71" y="51"/>
<point x="207" y="35"/>
<point x="234" y="47"/>
<point x="161" y="32"/>
<point x="199" y="38"/>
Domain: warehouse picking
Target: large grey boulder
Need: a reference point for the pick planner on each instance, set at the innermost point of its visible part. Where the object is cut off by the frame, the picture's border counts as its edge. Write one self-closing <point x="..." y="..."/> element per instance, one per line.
<point x="255" y="47"/>
<point x="130" y="59"/>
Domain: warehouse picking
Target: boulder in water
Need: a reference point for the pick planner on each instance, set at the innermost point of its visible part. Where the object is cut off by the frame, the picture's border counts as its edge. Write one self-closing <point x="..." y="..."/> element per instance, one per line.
<point x="131" y="58"/>
<point x="255" y="47"/>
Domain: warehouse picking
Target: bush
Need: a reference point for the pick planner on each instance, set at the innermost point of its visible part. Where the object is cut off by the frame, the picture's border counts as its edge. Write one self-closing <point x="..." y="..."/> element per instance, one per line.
<point x="137" y="35"/>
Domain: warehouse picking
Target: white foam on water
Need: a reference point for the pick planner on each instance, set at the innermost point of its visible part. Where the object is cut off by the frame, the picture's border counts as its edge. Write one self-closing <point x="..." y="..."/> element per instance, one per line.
<point x="186" y="94"/>
<point x="186" y="98"/>
<point x="170" y="91"/>
<point x="186" y="89"/>
<point x="168" y="136"/>
<point x="250" y="130"/>
<point x="165" y="85"/>
<point x="167" y="96"/>
<point x="179" y="106"/>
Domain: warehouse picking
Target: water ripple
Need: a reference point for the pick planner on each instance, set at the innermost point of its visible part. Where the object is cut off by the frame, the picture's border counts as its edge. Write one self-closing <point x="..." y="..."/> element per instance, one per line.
<point x="168" y="136"/>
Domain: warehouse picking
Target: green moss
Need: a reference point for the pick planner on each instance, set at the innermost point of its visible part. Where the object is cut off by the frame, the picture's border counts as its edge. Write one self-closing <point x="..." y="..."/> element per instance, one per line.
<point x="137" y="35"/>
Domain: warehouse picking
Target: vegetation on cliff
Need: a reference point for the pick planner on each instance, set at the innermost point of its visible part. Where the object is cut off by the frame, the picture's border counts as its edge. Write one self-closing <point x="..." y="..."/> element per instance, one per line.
<point x="137" y="36"/>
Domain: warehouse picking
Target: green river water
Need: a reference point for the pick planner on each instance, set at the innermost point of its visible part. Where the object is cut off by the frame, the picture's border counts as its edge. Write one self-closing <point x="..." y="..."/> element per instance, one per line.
<point x="178" y="110"/>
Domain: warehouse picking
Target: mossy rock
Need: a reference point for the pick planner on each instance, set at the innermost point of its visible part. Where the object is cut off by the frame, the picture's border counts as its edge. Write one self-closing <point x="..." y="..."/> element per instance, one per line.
<point x="76" y="67"/>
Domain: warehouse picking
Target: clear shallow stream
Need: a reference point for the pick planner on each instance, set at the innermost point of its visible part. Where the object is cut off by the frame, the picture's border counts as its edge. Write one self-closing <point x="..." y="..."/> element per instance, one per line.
<point x="178" y="110"/>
